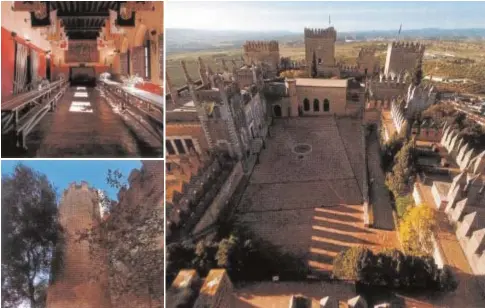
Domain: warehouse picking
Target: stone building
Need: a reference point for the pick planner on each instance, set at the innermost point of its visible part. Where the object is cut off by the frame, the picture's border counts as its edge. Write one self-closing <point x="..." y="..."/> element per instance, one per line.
<point x="463" y="199"/>
<point x="83" y="279"/>
<point x="403" y="57"/>
<point x="263" y="52"/>
<point x="320" y="44"/>
<point x="368" y="63"/>
<point x="309" y="96"/>
<point x="230" y="110"/>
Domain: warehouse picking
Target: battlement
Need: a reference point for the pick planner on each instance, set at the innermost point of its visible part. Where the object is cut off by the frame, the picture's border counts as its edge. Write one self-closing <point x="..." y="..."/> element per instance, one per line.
<point x="328" y="33"/>
<point x="257" y="46"/>
<point x="394" y="83"/>
<point x="348" y="68"/>
<point x="414" y="47"/>
<point x="82" y="186"/>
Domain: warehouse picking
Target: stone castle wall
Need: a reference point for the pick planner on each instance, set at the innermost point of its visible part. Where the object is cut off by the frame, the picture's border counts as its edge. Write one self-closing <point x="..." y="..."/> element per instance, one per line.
<point x="146" y="190"/>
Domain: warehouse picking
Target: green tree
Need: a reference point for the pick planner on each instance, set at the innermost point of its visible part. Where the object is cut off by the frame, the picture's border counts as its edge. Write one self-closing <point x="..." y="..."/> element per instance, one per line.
<point x="416" y="230"/>
<point x="401" y="177"/>
<point x="418" y="72"/>
<point x="30" y="232"/>
<point x="403" y="204"/>
<point x="346" y="263"/>
<point x="314" y="66"/>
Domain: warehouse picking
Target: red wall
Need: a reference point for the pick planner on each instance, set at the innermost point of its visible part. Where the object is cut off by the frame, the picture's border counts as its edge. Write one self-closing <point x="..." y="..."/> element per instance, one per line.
<point x="42" y="65"/>
<point x="8" y="61"/>
<point x="150" y="87"/>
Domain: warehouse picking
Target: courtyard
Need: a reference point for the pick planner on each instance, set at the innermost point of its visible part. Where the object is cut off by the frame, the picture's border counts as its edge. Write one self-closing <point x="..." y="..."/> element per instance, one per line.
<point x="305" y="195"/>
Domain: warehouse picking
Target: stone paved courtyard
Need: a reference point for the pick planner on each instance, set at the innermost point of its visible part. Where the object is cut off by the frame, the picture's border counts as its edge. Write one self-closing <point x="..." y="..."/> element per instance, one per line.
<point x="310" y="205"/>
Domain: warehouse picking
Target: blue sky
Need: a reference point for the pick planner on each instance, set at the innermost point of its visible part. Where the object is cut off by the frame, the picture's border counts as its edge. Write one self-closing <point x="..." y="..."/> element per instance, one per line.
<point x="345" y="16"/>
<point x="63" y="172"/>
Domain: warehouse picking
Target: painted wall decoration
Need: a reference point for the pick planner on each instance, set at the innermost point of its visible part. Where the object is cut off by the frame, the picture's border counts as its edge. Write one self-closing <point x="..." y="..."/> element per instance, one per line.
<point x="82" y="51"/>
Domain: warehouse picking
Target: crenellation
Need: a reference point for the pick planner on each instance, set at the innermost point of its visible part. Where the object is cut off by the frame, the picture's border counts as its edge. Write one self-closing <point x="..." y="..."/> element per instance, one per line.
<point x="414" y="47"/>
<point x="327" y="33"/>
<point x="257" y="46"/>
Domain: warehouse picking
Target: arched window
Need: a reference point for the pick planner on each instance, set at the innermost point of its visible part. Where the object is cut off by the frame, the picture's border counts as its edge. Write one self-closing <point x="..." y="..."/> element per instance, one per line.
<point x="316" y="105"/>
<point x="306" y="104"/>
<point x="326" y="105"/>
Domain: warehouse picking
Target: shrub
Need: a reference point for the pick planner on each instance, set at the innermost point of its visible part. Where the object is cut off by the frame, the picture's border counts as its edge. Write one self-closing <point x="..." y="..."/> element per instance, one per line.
<point x="403" y="204"/>
<point x="416" y="230"/>
<point x="394" y="270"/>
<point x="345" y="264"/>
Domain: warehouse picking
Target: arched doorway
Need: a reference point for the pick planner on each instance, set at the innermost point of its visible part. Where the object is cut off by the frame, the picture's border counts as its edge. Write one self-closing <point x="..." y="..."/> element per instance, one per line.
<point x="316" y="105"/>
<point x="306" y="104"/>
<point x="277" y="110"/>
<point x="326" y="105"/>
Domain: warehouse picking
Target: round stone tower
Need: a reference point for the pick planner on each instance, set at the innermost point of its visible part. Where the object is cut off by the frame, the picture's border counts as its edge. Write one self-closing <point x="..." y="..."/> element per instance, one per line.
<point x="81" y="279"/>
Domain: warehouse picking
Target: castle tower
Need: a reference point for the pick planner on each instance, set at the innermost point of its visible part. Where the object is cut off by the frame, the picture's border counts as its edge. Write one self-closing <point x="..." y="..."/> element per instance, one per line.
<point x="322" y="43"/>
<point x="402" y="57"/>
<point x="73" y="284"/>
<point x="367" y="62"/>
<point x="267" y="52"/>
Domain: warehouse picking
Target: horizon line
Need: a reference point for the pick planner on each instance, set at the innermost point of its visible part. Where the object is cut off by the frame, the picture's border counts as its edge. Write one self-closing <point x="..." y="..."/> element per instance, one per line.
<point x="290" y="31"/>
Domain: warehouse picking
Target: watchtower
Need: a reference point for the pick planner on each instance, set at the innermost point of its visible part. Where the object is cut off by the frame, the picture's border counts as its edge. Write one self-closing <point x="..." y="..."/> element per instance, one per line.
<point x="267" y="52"/>
<point x="403" y="56"/>
<point x="74" y="284"/>
<point x="322" y="43"/>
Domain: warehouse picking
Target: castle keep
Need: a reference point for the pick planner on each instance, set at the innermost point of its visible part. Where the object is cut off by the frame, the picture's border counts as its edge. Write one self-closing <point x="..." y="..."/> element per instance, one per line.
<point x="83" y="278"/>
<point x="72" y="285"/>
<point x="403" y="57"/>
<point x="267" y="52"/>
<point x="321" y="42"/>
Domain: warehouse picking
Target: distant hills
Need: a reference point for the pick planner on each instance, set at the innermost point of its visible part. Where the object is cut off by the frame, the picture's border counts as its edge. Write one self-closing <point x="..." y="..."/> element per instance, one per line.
<point x="179" y="40"/>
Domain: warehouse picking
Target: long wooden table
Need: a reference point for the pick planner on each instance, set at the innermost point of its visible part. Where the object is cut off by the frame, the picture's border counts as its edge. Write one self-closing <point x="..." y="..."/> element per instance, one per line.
<point x="22" y="112"/>
<point x="144" y="103"/>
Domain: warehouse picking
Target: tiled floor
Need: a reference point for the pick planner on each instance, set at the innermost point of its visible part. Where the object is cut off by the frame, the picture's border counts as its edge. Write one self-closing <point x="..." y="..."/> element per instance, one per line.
<point x="310" y="206"/>
<point x="86" y="126"/>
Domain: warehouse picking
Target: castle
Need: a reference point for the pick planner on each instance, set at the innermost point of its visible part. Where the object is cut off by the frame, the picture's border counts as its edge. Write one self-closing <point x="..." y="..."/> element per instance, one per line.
<point x="231" y="111"/>
<point x="83" y="279"/>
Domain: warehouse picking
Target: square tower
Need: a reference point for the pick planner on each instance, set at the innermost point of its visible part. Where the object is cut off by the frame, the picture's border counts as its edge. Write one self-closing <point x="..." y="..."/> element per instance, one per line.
<point x="264" y="52"/>
<point x="402" y="57"/>
<point x="322" y="43"/>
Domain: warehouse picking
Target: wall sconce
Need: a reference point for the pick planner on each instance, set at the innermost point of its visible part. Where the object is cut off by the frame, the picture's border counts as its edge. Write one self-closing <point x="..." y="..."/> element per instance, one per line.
<point x="14" y="34"/>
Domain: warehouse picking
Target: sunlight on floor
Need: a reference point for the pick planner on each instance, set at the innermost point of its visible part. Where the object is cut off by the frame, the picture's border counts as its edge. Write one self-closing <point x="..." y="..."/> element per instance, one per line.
<point x="80" y="94"/>
<point x="81" y="88"/>
<point x="81" y="107"/>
